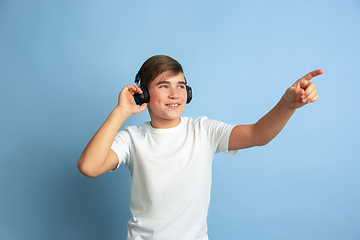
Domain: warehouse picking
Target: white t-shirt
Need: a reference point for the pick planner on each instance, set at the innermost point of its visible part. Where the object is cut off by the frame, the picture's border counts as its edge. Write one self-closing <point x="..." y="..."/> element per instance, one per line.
<point x="171" y="176"/>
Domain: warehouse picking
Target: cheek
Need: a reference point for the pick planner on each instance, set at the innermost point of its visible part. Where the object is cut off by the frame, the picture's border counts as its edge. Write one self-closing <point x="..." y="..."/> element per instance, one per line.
<point x="184" y="96"/>
<point x="155" y="97"/>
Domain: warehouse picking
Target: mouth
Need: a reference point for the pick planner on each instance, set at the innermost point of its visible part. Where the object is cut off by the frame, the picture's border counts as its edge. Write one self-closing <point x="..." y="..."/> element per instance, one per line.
<point x="173" y="105"/>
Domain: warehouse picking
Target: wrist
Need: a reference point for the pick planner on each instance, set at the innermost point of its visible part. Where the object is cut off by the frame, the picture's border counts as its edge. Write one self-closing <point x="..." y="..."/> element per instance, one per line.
<point x="121" y="112"/>
<point x="287" y="103"/>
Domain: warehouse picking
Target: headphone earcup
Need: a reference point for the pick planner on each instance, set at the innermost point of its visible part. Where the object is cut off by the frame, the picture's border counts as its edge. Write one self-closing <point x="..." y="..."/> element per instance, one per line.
<point x="189" y="94"/>
<point x="142" y="98"/>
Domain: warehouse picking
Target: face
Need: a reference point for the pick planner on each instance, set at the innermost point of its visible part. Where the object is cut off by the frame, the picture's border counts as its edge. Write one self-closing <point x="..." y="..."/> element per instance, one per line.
<point x="167" y="100"/>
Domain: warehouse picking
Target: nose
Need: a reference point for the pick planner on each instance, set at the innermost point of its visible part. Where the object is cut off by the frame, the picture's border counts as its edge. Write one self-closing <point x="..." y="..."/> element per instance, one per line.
<point x="174" y="93"/>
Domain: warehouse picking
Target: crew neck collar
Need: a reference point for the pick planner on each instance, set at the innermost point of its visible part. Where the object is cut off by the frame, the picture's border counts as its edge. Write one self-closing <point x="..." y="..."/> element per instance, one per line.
<point x="167" y="130"/>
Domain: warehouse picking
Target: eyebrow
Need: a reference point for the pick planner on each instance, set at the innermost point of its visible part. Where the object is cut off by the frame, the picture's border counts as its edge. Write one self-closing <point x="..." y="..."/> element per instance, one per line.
<point x="167" y="82"/>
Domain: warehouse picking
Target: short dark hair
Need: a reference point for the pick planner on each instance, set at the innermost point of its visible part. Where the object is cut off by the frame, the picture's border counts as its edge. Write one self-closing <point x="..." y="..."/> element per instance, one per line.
<point x="156" y="65"/>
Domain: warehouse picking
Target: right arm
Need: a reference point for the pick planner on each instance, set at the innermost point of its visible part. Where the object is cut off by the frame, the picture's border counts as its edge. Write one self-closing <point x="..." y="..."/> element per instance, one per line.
<point x="97" y="157"/>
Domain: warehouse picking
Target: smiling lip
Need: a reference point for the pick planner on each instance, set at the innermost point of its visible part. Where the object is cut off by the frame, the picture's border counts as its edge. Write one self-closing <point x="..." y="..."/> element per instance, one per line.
<point x="172" y="105"/>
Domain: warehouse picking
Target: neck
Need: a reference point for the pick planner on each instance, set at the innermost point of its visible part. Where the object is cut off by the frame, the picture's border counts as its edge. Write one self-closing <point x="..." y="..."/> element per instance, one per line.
<point x="164" y="124"/>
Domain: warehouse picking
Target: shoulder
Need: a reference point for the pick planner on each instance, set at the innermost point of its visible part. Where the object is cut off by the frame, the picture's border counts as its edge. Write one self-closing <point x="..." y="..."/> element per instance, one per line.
<point x="203" y="123"/>
<point x="134" y="128"/>
<point x="133" y="131"/>
<point x="208" y="123"/>
<point x="214" y="127"/>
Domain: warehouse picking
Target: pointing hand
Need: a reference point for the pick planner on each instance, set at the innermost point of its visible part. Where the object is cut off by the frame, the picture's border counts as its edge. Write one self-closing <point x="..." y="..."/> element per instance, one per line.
<point x="303" y="91"/>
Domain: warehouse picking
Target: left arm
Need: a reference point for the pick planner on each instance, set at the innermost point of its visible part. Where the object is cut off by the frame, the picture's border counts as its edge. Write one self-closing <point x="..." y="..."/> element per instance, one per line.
<point x="269" y="126"/>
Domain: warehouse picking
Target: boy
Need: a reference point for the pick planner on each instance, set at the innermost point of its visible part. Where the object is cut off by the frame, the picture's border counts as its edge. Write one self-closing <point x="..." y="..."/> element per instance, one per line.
<point x="170" y="157"/>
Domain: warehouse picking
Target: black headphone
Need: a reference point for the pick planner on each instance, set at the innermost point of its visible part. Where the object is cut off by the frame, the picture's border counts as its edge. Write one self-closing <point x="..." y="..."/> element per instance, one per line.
<point x="145" y="97"/>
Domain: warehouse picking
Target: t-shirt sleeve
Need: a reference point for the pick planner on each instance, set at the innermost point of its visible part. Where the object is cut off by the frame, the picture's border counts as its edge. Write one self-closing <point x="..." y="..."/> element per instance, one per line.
<point x="219" y="135"/>
<point x="121" y="146"/>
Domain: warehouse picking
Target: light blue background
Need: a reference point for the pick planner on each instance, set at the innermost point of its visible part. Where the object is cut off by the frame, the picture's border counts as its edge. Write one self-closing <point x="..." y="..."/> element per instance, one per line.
<point x="63" y="63"/>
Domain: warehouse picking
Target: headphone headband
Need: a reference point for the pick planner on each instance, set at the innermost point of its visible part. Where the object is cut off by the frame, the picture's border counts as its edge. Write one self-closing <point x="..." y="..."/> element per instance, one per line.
<point x="138" y="78"/>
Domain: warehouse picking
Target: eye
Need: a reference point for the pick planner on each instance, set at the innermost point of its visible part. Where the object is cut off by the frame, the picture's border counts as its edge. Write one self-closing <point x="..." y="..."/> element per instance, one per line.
<point x="181" y="87"/>
<point x="163" y="86"/>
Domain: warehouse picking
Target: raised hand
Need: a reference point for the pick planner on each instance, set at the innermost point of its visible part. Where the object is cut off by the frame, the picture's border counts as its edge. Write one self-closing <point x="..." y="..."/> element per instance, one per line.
<point x="303" y="91"/>
<point x="126" y="100"/>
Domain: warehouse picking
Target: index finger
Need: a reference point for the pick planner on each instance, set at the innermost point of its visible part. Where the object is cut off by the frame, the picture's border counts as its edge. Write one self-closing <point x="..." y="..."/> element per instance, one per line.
<point x="312" y="74"/>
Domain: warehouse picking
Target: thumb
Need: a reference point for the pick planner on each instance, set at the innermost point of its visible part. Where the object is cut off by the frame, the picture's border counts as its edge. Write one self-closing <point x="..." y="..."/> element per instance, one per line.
<point x="142" y="107"/>
<point x="294" y="92"/>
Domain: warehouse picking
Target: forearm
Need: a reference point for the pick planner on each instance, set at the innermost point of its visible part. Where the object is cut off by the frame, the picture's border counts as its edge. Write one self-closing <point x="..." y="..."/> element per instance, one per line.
<point x="97" y="150"/>
<point x="270" y="125"/>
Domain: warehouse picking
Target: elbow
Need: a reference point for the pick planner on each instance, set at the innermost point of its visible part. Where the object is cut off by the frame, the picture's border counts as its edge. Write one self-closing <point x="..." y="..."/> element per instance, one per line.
<point x="262" y="142"/>
<point x="86" y="170"/>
